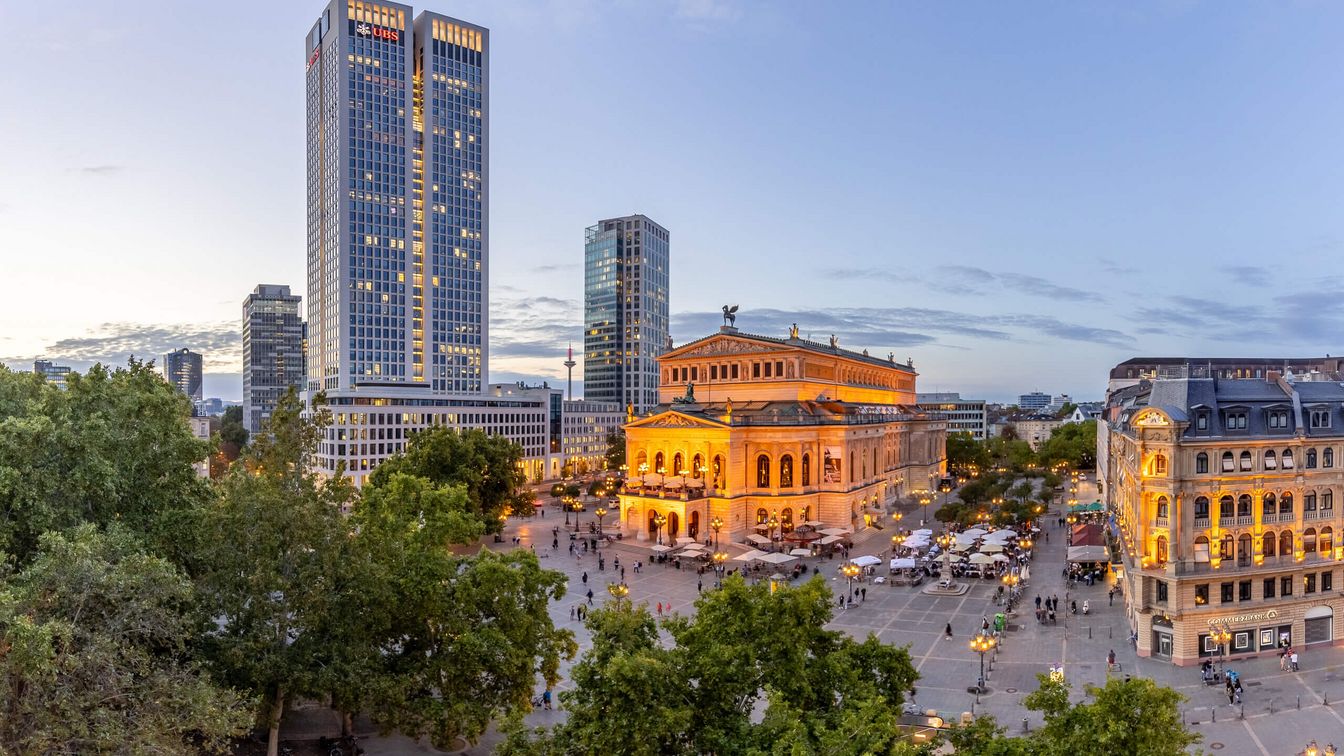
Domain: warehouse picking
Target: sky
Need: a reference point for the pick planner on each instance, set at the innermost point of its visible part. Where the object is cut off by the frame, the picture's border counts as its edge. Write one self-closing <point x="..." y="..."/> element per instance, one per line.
<point x="1015" y="195"/>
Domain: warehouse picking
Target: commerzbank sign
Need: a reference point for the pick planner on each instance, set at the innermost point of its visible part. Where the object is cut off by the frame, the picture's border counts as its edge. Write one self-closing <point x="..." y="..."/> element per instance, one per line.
<point x="1236" y="618"/>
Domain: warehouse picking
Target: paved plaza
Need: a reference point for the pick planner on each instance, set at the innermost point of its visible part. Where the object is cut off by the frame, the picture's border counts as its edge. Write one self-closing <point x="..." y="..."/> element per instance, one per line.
<point x="1282" y="711"/>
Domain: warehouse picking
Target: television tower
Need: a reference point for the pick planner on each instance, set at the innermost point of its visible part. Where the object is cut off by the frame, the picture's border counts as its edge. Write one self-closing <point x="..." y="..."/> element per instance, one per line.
<point x="569" y="367"/>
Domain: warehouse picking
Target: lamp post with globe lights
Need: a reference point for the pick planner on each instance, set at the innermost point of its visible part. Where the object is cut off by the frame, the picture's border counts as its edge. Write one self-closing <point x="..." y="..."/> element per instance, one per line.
<point x="618" y="591"/>
<point x="716" y="524"/>
<point x="659" y="521"/>
<point x="850" y="571"/>
<point x="719" y="558"/>
<point x="924" y="497"/>
<point x="600" y="512"/>
<point x="981" y="644"/>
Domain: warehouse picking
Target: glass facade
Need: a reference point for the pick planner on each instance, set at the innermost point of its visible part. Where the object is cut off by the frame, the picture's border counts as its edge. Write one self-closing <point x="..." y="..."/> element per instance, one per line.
<point x="182" y="368"/>
<point x="626" y="323"/>
<point x="273" y="343"/>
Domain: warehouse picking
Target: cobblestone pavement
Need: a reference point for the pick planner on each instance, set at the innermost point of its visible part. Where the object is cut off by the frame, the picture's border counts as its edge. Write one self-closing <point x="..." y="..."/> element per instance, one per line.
<point x="1282" y="711"/>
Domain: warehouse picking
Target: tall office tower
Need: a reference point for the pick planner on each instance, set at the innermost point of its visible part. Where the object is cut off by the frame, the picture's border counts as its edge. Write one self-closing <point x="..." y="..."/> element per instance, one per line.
<point x="53" y="373"/>
<point x="625" y="305"/>
<point x="398" y="235"/>
<point x="182" y="368"/>
<point x="272" y="351"/>
<point x="398" y="254"/>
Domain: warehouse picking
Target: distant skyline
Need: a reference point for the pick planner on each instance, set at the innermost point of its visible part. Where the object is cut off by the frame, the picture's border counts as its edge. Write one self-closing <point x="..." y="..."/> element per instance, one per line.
<point x="1016" y="200"/>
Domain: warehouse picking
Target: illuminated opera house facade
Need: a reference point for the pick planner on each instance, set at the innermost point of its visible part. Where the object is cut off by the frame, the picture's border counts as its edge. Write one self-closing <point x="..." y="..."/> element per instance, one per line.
<point x="760" y="434"/>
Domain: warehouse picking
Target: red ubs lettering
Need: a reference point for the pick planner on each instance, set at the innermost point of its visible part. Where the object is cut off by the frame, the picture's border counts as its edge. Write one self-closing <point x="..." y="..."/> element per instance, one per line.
<point x="388" y="34"/>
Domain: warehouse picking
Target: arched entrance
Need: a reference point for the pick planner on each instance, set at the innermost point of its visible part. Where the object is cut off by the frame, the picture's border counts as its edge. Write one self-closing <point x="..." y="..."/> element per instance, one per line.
<point x="653" y="526"/>
<point x="693" y="525"/>
<point x="672" y="525"/>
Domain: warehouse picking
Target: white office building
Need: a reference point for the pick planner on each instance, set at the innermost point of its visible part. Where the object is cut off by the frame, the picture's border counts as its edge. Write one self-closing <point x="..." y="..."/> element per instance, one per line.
<point x="963" y="415"/>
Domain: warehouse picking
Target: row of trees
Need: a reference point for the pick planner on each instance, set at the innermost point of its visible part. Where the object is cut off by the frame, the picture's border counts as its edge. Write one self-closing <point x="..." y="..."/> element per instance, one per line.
<point x="755" y="672"/>
<point x="1074" y="445"/>
<point x="141" y="605"/>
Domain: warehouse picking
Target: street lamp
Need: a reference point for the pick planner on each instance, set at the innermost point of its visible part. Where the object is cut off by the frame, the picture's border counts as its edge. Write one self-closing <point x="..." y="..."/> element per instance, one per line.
<point x="945" y="542"/>
<point x="1220" y="636"/>
<point x="659" y="521"/>
<point x="719" y="559"/>
<point x="924" y="497"/>
<point x="618" y="591"/>
<point x="896" y="518"/>
<point x="982" y="644"/>
<point x="600" y="512"/>
<point x="850" y="571"/>
<point x="716" y="523"/>
<point x="578" y="507"/>
<point x="772" y="524"/>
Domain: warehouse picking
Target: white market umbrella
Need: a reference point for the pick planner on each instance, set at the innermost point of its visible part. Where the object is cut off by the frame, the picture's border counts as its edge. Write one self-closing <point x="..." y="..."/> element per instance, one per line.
<point x="966" y="539"/>
<point x="981" y="559"/>
<point x="915" y="543"/>
<point x="653" y="479"/>
<point x="922" y="531"/>
<point x="836" y="531"/>
<point x="692" y="548"/>
<point x="866" y="560"/>
<point x="801" y="552"/>
<point x="999" y="557"/>
<point x="754" y="538"/>
<point x="695" y="483"/>
<point x="675" y="481"/>
<point x="902" y="564"/>
<point x="776" y="558"/>
<point x="750" y="555"/>
<point x="1005" y="532"/>
<point x="658" y="549"/>
<point x="990" y="548"/>
<point x="828" y="540"/>
<point x="814" y="523"/>
<point x="974" y="532"/>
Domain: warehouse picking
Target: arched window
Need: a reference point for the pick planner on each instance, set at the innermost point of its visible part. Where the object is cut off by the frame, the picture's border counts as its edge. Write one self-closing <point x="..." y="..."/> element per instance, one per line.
<point x="1161" y="549"/>
<point x="698" y="466"/>
<point x="1162" y="507"/>
<point x="1225" y="546"/>
<point x="786" y="471"/>
<point x="658" y="460"/>
<point x="807" y="470"/>
<point x="1328" y="458"/>
<point x="1268" y="542"/>
<point x="1311" y="459"/>
<point x="1244" y="505"/>
<point x="1271" y="460"/>
<point x="1201" y="463"/>
<point x="807" y="513"/>
<point x="762" y="516"/>
<point x="1309" y="541"/>
<point x="1286" y="543"/>
<point x="1246" y="463"/>
<point x="763" y="471"/>
<point x="641" y="459"/>
<point x="1202" y="549"/>
<point x="716" y="469"/>
<point x="853" y="468"/>
<point x="1202" y="508"/>
<point x="786" y="520"/>
<point x="1244" y="549"/>
<point x="1326" y="541"/>
<point x="1224" y="507"/>
<point x="1269" y="507"/>
<point x="1286" y="503"/>
<point x="1159" y="465"/>
<point x="1227" y="462"/>
<point x="1287" y="458"/>
<point x="678" y="465"/>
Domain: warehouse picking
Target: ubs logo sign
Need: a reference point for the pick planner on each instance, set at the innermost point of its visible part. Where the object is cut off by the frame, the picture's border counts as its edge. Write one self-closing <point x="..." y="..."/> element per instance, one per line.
<point x="377" y="32"/>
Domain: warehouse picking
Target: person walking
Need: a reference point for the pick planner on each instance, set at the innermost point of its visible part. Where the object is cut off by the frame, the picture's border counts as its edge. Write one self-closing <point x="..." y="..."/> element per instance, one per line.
<point x="585" y="577"/>
<point x="1293" y="660"/>
<point x="590" y="597"/>
<point x="660" y="608"/>
<point x="1283" y="660"/>
<point x="1110" y="596"/>
<point x="571" y="613"/>
<point x="1236" y="692"/>
<point x="864" y="590"/>
<point x="546" y="700"/>
<point x="1110" y="660"/>
<point x="1231" y="693"/>
<point x="947" y="631"/>
<point x="699" y="585"/>
<point x="1038" y="601"/>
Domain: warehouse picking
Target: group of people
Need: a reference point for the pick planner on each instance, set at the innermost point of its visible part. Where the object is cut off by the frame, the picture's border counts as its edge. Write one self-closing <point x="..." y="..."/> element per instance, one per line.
<point x="1045" y="609"/>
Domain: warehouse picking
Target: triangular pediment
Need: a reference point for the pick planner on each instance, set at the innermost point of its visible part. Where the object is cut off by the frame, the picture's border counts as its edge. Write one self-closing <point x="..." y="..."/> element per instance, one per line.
<point x="721" y="344"/>
<point x="674" y="419"/>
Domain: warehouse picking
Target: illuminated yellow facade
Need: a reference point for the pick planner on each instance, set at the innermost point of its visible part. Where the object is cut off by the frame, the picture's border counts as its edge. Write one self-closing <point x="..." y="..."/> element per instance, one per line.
<point x="754" y="430"/>
<point x="1223" y="492"/>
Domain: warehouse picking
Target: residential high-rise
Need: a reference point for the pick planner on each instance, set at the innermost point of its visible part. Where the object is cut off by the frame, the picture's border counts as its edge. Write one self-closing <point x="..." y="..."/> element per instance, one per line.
<point x="273" y="334"/>
<point x="1033" y="401"/>
<point x="398" y="113"/>
<point x="182" y="368"/>
<point x="625" y="304"/>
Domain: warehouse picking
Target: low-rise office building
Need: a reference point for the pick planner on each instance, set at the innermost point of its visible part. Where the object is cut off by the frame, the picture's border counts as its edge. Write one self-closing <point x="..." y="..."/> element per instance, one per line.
<point x="962" y="415"/>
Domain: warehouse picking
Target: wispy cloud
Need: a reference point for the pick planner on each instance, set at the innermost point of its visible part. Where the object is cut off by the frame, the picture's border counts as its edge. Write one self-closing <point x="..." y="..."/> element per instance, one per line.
<point x="536" y="327"/>
<point x="557" y="268"/>
<point x="102" y="170"/>
<point x="113" y="343"/>
<point x="1251" y="275"/>
<point x="969" y="279"/>
<point x="1113" y="268"/>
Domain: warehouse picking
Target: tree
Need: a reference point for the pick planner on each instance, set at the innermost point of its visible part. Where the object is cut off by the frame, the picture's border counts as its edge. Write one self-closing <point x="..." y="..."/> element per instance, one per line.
<point x="1134" y="716"/>
<point x="274" y="567"/>
<point x="965" y="454"/>
<point x="615" y="450"/>
<point x="231" y="427"/>
<point x="490" y="467"/>
<point x="1072" y="443"/>
<point x="113" y="447"/>
<point x="94" y="637"/>
<point x="825" y="691"/>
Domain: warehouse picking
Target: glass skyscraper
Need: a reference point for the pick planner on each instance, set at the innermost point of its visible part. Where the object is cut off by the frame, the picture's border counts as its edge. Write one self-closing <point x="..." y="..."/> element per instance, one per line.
<point x="625" y="304"/>
<point x="273" y="336"/>
<point x="182" y="368"/>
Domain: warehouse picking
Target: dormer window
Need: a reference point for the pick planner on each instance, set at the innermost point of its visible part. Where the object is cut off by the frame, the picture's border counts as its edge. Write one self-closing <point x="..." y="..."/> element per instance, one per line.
<point x="1320" y="418"/>
<point x="1278" y="419"/>
<point x="1202" y="421"/>
<point x="1236" y="421"/>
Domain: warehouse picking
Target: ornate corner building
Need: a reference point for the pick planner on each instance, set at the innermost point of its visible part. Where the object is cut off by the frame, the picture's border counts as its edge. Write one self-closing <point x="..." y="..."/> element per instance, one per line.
<point x="1221" y="484"/>
<point x="751" y="430"/>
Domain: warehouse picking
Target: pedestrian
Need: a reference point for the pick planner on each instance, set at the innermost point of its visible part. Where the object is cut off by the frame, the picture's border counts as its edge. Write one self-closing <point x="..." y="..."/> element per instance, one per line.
<point x="1038" y="601"/>
<point x="947" y="631"/>
<point x="623" y="574"/>
<point x="1231" y="693"/>
<point x="1283" y="660"/>
<point x="699" y="585"/>
<point x="590" y="597"/>
<point x="555" y="544"/>
<point x="1236" y="692"/>
<point x="546" y="700"/>
<point x="1110" y="660"/>
<point x="865" y="593"/>
<point x="571" y="612"/>
<point x="984" y="622"/>
<point x="1293" y="660"/>
<point x="660" y="608"/>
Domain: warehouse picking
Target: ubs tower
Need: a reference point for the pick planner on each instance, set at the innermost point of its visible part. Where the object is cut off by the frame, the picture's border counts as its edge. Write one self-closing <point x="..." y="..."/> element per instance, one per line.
<point x="398" y="231"/>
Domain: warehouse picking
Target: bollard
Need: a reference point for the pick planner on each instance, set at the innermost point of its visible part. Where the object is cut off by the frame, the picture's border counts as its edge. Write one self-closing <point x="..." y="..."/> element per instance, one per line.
<point x="1242" y="713"/>
<point x="1024" y="724"/>
<point x="1299" y="702"/>
<point x="1089" y="632"/>
<point x="1110" y="633"/>
<point x="1325" y="699"/>
<point x="1213" y="715"/>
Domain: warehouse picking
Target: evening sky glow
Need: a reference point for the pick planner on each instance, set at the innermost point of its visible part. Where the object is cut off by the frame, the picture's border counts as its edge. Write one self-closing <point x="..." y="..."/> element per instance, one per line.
<point x="1016" y="200"/>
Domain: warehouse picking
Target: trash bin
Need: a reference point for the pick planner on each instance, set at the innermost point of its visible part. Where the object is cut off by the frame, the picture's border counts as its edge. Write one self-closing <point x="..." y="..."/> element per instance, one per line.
<point x="1000" y="622"/>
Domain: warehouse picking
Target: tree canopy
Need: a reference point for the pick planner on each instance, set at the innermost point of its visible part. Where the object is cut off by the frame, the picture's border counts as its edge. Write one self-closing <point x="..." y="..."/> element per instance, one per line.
<point x="94" y="637"/>
<point x="489" y="467"/>
<point x="1072" y="443"/>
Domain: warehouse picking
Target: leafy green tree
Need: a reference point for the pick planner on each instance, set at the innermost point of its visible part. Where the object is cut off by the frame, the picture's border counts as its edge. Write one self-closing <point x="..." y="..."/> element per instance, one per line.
<point x="490" y="468"/>
<point x="94" y="637"/>
<point x="965" y="454"/>
<point x="615" y="450"/>
<point x="231" y="427"/>
<point x="275" y="566"/>
<point x="1074" y="444"/>
<point x="114" y="447"/>
<point x="1132" y="716"/>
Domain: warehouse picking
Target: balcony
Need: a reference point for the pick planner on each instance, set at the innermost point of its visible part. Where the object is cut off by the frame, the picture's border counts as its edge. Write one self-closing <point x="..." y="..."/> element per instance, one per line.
<point x="1270" y="564"/>
<point x="1201" y="523"/>
<point x="1280" y="517"/>
<point x="1245" y="520"/>
<point x="1161" y="522"/>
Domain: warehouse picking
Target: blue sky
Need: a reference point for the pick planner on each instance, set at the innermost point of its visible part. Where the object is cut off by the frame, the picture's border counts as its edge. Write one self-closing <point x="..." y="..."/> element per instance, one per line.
<point x="1018" y="196"/>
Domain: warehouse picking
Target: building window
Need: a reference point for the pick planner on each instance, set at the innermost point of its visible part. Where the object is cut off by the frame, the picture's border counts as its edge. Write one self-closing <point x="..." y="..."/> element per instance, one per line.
<point x="1161" y="549"/>
<point x="1162" y="507"/>
<point x="807" y="470"/>
<point x="1309" y="501"/>
<point x="1320" y="418"/>
<point x="1202" y="508"/>
<point x="1309" y="541"/>
<point x="1201" y="594"/>
<point x="1286" y="503"/>
<point x="1202" y="549"/>
<point x="1162" y="591"/>
<point x="1287" y="458"/>
<point x="1286" y="586"/>
<point x="1269" y="588"/>
<point x="763" y="471"/>
<point x="1225" y="546"/>
<point x="1286" y="543"/>
<point x="1311" y="459"/>
<point x="713" y="372"/>
<point x="1271" y="460"/>
<point x="1309" y="582"/>
<point x="1328" y="458"/>
<point x="1201" y="463"/>
<point x="1327" y="501"/>
<point x="1236" y="421"/>
<point x="1267" y="543"/>
<point x="1228" y="465"/>
<point x="1244" y="590"/>
<point x="1202" y="421"/>
<point x="1246" y="463"/>
<point x="1224" y="507"/>
<point x="762" y="516"/>
<point x="1327" y="580"/>
<point x="786" y="471"/>
<point x="1225" y="593"/>
<point x="733" y="369"/>
<point x="1278" y="419"/>
<point x="1244" y="505"/>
